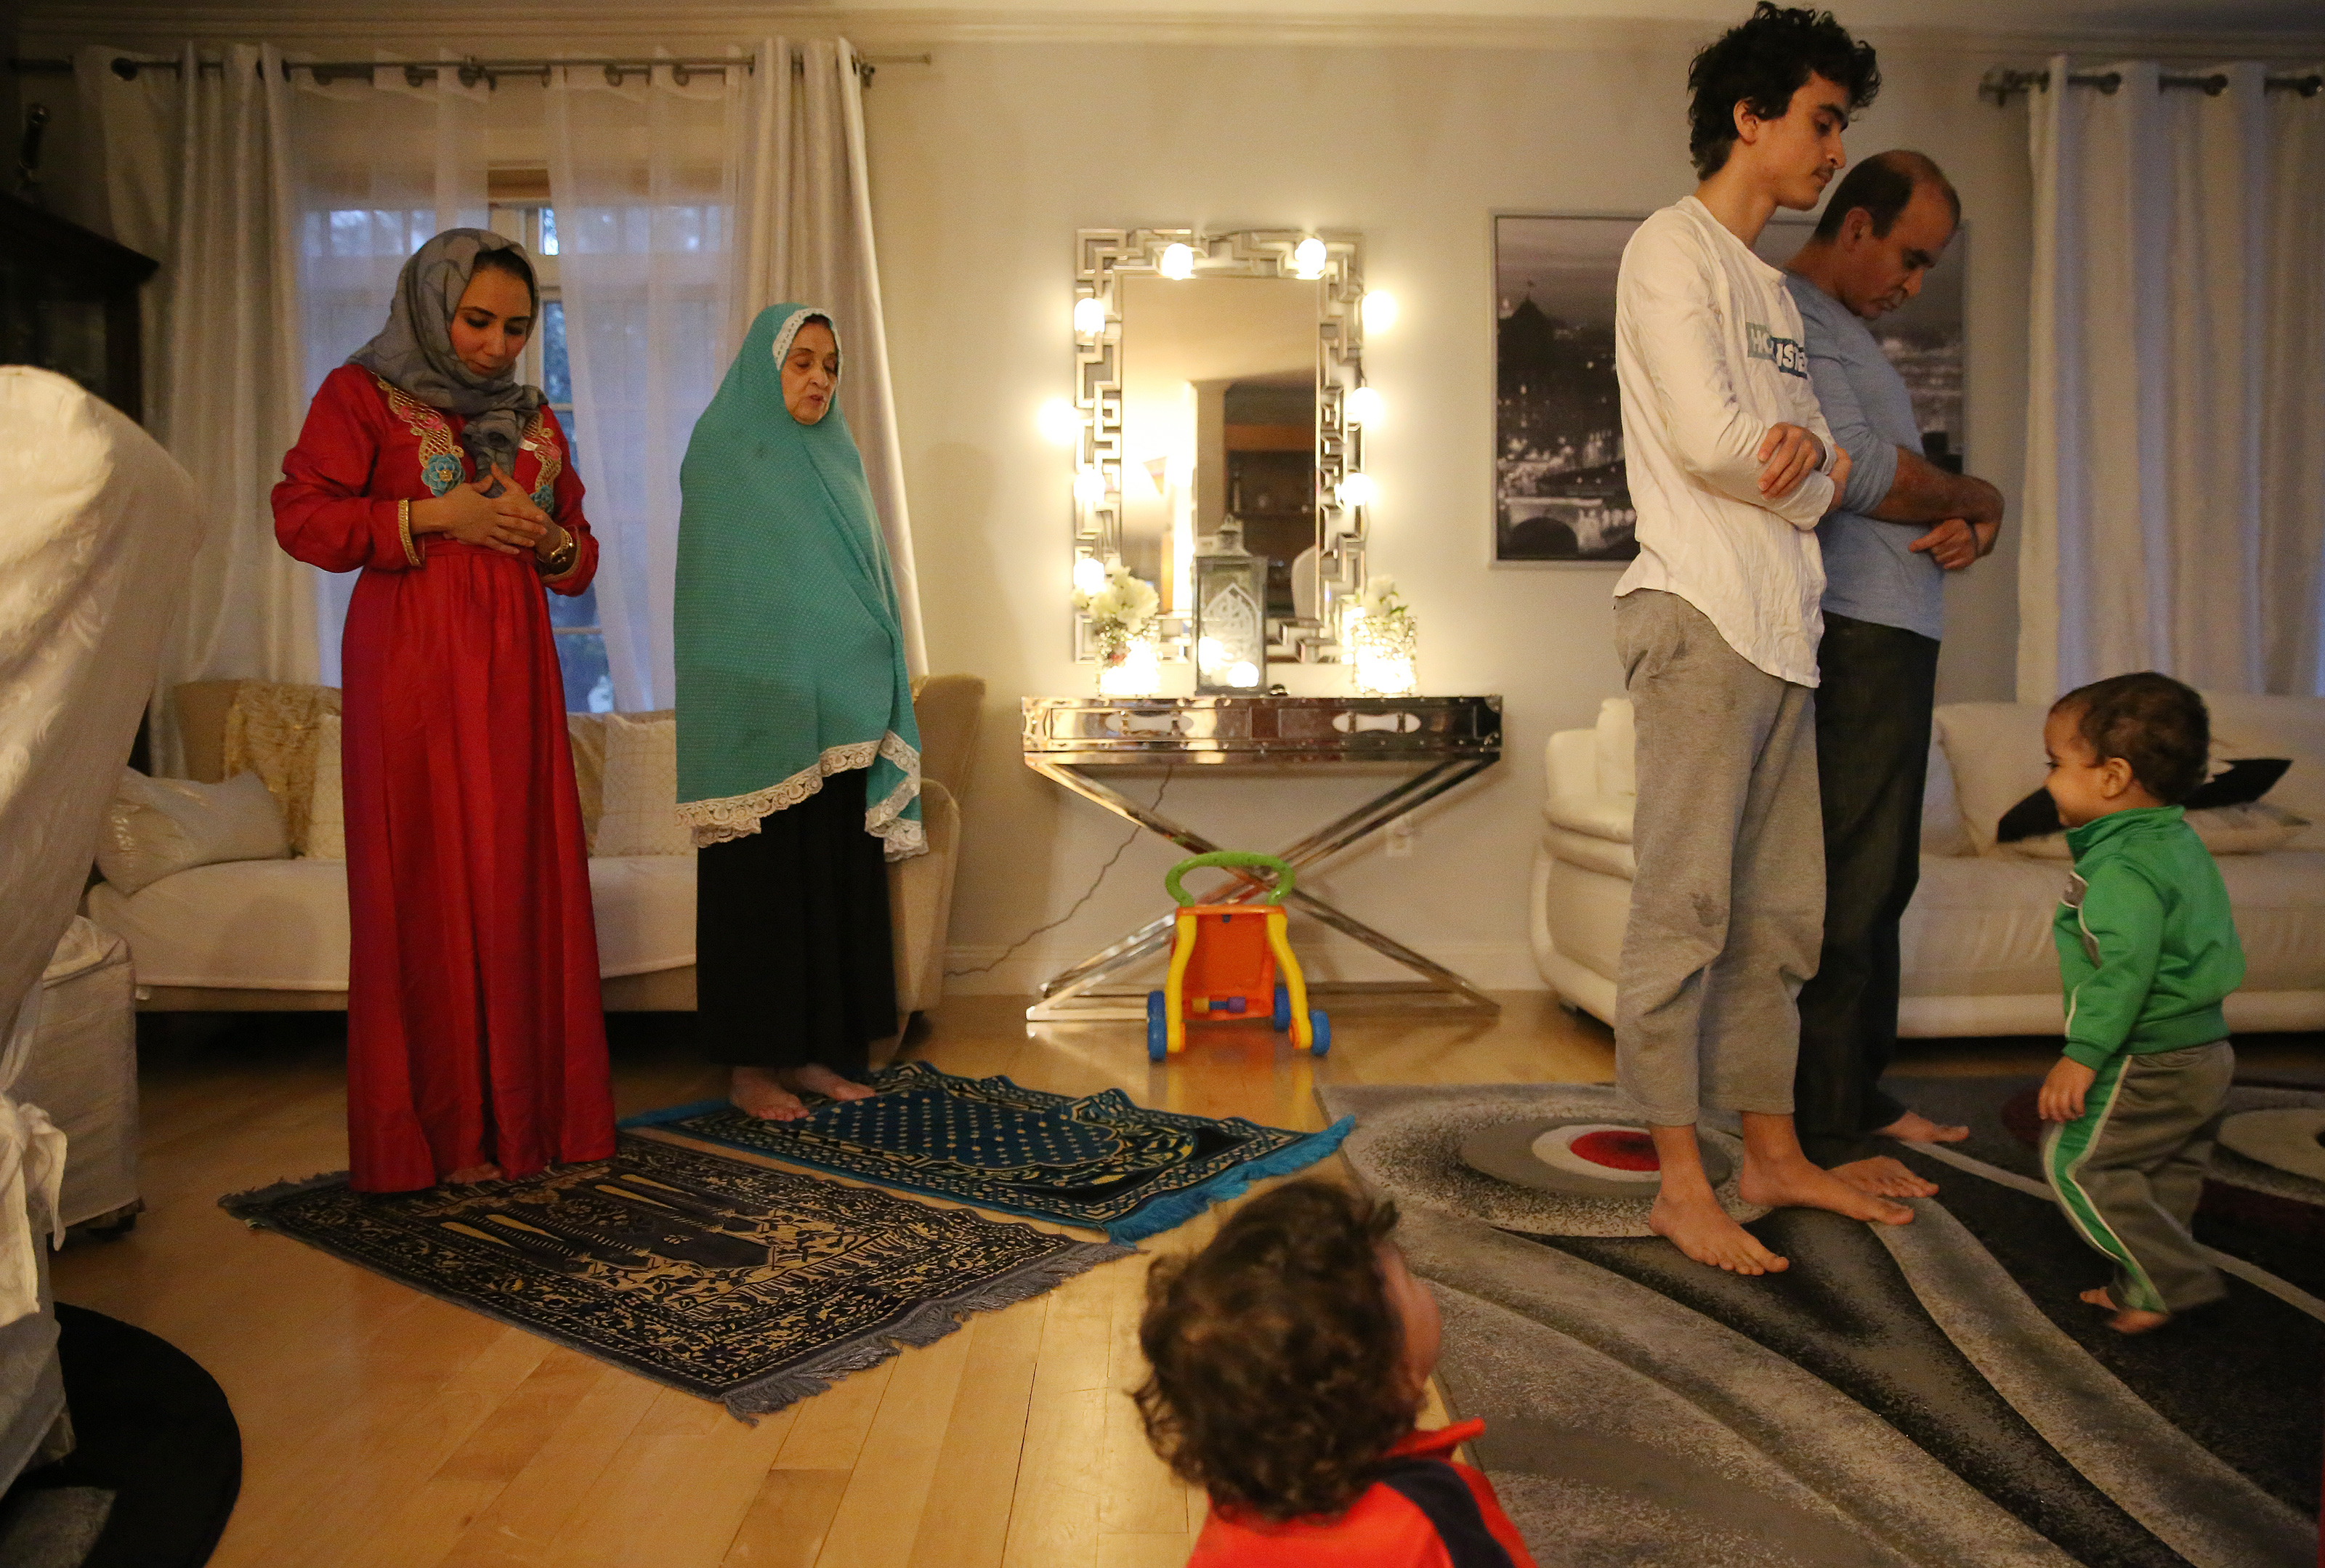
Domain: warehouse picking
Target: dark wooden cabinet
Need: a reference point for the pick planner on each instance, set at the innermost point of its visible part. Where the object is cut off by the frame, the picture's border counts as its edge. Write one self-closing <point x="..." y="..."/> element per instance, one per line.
<point x="68" y="303"/>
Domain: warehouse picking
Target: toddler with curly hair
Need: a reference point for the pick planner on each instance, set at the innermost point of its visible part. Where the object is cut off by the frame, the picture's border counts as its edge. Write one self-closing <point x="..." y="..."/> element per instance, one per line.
<point x="1289" y="1361"/>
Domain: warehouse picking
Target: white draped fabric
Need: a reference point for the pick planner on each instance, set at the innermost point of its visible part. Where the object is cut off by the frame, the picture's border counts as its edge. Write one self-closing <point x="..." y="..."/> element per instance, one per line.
<point x="681" y="211"/>
<point x="99" y="528"/>
<point x="808" y="196"/>
<point x="197" y="174"/>
<point x="380" y="166"/>
<point x="642" y="177"/>
<point x="2174" y="500"/>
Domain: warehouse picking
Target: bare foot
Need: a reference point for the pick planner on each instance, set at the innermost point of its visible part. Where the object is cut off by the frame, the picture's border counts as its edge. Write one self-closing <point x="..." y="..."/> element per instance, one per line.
<point x="817" y="1079"/>
<point x="1794" y="1183"/>
<point x="1884" y="1178"/>
<point x="1702" y="1230"/>
<point x="2127" y="1320"/>
<point x="757" y="1091"/>
<point x="470" y="1176"/>
<point x="1914" y="1127"/>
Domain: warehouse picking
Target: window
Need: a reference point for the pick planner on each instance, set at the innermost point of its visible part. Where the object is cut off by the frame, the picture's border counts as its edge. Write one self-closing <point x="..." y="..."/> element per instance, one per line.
<point x="580" y="636"/>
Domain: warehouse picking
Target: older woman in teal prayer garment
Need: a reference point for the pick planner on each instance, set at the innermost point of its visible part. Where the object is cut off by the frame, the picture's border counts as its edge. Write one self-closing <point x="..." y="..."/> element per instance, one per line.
<point x="799" y="764"/>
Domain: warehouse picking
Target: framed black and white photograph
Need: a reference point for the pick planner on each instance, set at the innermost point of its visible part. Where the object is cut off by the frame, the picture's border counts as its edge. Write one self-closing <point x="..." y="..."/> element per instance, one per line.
<point x="1561" y="496"/>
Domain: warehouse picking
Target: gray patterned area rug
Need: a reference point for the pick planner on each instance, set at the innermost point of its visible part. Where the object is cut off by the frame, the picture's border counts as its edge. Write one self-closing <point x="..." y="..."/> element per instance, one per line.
<point x="1901" y="1395"/>
<point x="733" y="1281"/>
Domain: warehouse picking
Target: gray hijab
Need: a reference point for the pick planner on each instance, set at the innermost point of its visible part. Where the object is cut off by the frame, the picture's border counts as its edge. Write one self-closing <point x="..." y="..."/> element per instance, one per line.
<point x="414" y="353"/>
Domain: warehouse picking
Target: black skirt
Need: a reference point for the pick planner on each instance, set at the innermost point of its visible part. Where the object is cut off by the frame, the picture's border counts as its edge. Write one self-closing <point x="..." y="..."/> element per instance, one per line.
<point x="793" y="960"/>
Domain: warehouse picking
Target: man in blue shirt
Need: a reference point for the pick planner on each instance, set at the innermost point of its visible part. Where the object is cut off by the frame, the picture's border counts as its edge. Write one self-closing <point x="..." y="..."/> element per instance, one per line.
<point x="1901" y="526"/>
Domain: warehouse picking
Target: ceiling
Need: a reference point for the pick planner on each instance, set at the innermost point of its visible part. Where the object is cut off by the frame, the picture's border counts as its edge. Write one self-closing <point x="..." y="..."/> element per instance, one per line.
<point x="1476" y="22"/>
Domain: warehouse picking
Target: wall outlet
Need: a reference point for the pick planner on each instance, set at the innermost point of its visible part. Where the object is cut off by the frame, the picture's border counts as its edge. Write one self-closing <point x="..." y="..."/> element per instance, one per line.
<point x="1400" y="839"/>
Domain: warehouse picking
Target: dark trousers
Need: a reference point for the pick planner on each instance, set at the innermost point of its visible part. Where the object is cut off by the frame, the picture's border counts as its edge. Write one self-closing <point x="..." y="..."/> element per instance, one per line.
<point x="1878" y="685"/>
<point x="793" y="960"/>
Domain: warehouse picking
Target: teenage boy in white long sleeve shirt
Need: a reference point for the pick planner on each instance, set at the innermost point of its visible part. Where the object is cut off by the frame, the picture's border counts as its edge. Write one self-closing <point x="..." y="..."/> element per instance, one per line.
<point x="1717" y="622"/>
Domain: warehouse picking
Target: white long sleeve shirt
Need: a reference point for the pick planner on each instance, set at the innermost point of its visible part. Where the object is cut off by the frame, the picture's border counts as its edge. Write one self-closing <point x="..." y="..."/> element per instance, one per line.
<point x="1710" y="351"/>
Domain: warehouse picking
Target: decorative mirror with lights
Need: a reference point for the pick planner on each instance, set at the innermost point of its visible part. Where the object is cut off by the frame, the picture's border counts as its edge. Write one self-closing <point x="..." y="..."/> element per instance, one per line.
<point x="1218" y="426"/>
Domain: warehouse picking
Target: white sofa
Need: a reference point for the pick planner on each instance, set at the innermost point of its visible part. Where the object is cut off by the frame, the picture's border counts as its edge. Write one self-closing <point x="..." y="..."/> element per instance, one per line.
<point x="1977" y="945"/>
<point x="272" y="934"/>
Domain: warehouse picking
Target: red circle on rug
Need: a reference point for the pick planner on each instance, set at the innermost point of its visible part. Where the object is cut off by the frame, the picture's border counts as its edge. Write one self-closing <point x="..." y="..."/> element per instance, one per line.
<point x="1618" y="1151"/>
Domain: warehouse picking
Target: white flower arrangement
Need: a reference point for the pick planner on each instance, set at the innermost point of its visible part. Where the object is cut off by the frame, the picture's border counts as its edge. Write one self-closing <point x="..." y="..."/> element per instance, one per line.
<point x="1380" y="600"/>
<point x="1120" y="611"/>
<point x="1382" y="639"/>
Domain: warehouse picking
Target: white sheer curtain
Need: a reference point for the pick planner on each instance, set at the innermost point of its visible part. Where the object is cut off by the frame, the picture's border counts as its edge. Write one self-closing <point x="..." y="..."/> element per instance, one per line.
<point x="197" y="174"/>
<point x="684" y="209"/>
<point x="381" y="164"/>
<point x="808" y="196"/>
<point x="2175" y="514"/>
<point x="643" y="178"/>
<point x="281" y="212"/>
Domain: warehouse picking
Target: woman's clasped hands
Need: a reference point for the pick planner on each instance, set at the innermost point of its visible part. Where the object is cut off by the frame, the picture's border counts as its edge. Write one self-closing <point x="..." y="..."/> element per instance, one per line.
<point x="507" y="522"/>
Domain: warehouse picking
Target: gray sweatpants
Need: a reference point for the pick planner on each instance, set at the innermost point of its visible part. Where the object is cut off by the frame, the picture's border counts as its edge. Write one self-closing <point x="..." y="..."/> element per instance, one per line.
<point x="2129" y="1170"/>
<point x="1727" y="906"/>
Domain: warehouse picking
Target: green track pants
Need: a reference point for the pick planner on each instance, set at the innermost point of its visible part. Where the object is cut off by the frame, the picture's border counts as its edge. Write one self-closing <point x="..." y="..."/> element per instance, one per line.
<point x="2129" y="1170"/>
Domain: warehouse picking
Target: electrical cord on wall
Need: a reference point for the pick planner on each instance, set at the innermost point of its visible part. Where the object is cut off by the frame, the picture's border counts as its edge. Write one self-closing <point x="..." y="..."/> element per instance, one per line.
<point x="1087" y="894"/>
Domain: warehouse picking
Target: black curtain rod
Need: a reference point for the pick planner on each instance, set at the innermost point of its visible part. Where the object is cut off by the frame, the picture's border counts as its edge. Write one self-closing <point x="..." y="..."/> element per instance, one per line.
<point x="2002" y="84"/>
<point x="470" y="70"/>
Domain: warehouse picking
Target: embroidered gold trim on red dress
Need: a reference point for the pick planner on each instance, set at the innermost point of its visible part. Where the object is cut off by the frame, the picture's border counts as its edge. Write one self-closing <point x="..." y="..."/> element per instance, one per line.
<point x="543" y="447"/>
<point x="440" y="467"/>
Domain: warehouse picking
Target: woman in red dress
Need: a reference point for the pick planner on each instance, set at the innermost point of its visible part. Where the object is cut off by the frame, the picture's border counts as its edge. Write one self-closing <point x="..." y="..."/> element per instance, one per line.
<point x="476" y="1042"/>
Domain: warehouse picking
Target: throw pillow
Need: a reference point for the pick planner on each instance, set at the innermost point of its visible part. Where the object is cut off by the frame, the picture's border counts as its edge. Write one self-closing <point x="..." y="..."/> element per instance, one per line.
<point x="1995" y="750"/>
<point x="157" y="826"/>
<point x="2254" y="828"/>
<point x="327" y="821"/>
<point x="2239" y="783"/>
<point x="271" y="731"/>
<point x="2244" y="725"/>
<point x="640" y="810"/>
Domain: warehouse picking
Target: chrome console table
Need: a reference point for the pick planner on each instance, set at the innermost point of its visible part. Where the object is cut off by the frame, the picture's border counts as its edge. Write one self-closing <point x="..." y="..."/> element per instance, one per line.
<point x="1076" y="741"/>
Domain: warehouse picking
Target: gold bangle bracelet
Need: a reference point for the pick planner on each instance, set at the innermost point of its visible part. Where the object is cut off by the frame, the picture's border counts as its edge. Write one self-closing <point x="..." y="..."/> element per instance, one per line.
<point x="560" y="561"/>
<point x="411" y="553"/>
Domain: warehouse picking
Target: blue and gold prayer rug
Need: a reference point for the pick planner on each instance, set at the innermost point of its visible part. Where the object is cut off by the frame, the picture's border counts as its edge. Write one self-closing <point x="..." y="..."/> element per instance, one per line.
<point x="1099" y="1162"/>
<point x="754" y="1286"/>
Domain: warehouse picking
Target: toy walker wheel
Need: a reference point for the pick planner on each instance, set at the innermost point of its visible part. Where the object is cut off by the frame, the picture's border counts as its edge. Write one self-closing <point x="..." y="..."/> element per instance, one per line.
<point x="1155" y="1004"/>
<point x="1158" y="1036"/>
<point x="1322" y="1028"/>
<point x="1282" y="1015"/>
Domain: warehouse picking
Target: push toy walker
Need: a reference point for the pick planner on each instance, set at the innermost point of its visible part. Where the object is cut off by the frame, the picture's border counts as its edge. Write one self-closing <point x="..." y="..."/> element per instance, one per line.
<point x="1224" y="963"/>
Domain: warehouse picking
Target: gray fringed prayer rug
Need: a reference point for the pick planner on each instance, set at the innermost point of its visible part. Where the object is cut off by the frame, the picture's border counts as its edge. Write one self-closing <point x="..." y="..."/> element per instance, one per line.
<point x="752" y="1286"/>
<point x="1923" y="1396"/>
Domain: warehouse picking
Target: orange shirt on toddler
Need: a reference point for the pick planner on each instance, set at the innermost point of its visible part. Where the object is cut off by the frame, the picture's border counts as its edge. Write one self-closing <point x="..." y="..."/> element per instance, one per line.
<point x="1428" y="1510"/>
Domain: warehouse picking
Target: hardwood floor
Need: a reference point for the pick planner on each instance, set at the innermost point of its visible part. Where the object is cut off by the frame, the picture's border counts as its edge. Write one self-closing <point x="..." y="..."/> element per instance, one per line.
<point x="382" y="1427"/>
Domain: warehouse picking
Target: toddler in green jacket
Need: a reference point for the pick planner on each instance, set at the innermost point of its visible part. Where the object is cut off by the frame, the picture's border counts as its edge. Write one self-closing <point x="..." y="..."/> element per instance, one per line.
<point x="2147" y="951"/>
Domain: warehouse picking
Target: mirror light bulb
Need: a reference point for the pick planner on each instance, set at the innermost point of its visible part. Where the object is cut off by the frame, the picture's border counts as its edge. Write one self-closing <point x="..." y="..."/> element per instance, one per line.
<point x="1243" y="673"/>
<point x="1363" y="407"/>
<point x="1358" y="490"/>
<point x="1307" y="257"/>
<point x="1089" y="316"/>
<point x="1089" y="488"/>
<point x="1061" y="426"/>
<point x="1089" y="575"/>
<point x="1379" y="309"/>
<point x="1178" y="261"/>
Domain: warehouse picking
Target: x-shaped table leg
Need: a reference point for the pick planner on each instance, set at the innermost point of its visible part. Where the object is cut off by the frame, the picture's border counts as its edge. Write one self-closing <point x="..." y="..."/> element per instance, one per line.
<point x="1071" y="993"/>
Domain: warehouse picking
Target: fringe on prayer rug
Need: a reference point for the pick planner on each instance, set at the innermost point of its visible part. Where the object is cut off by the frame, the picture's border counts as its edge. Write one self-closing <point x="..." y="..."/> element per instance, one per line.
<point x="724" y="1278"/>
<point x="1101" y="1162"/>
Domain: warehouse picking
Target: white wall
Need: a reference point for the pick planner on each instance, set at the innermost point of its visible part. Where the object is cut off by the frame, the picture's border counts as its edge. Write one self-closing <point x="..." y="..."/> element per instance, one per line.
<point x="987" y="162"/>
